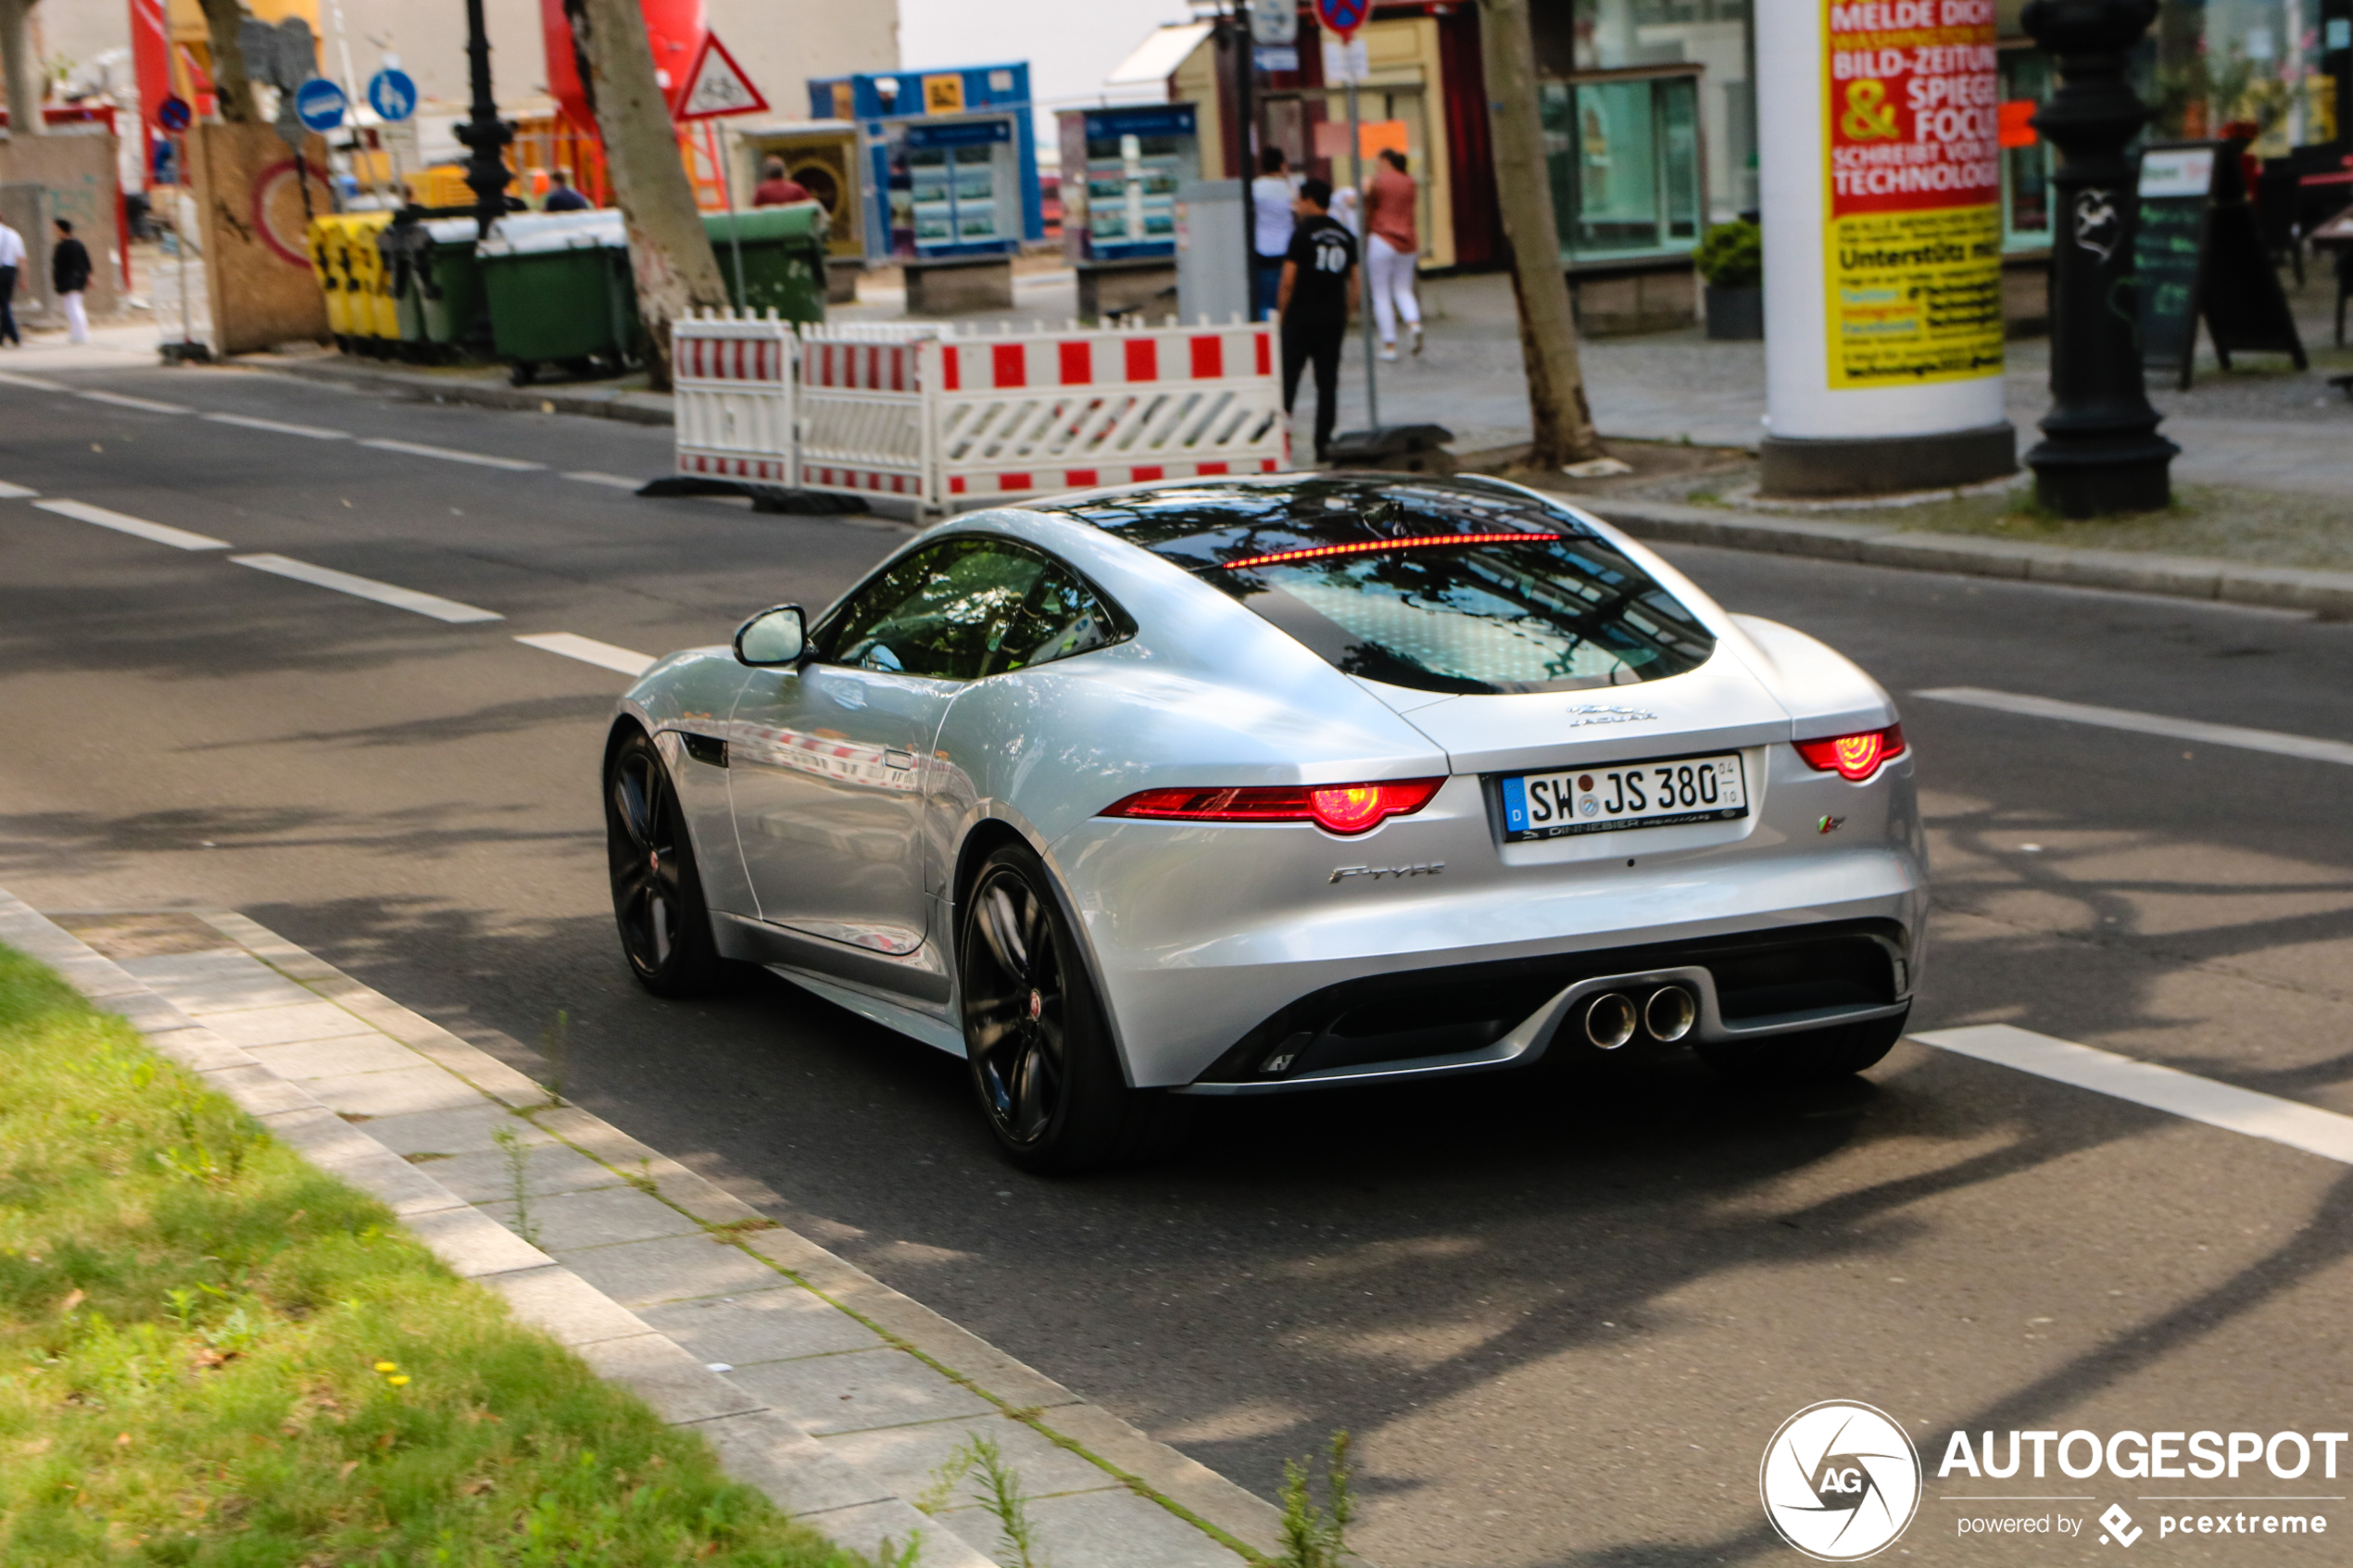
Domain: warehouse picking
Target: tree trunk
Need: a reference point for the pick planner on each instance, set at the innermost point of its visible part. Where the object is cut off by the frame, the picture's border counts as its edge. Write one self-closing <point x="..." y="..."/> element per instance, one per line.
<point x="231" y="87"/>
<point x="669" y="248"/>
<point x="19" y="72"/>
<point x="1547" y="331"/>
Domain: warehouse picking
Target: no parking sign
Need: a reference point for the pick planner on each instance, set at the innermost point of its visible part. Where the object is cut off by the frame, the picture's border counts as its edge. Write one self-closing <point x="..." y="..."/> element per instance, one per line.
<point x="1343" y="17"/>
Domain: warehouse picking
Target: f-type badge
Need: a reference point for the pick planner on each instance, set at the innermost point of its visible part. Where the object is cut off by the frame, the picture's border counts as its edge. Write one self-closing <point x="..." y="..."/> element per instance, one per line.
<point x="1342" y="873"/>
<point x="1584" y="713"/>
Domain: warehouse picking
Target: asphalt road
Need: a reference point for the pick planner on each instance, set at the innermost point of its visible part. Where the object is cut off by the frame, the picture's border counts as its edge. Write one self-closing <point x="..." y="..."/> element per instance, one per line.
<point x="1562" y="1316"/>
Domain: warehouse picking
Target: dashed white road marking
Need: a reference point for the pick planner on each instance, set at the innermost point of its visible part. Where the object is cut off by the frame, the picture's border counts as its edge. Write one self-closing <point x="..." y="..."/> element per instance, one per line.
<point x="160" y="532"/>
<point x="148" y="405"/>
<point x="369" y="588"/>
<point x="2314" y="1130"/>
<point x="614" y="480"/>
<point x="31" y="384"/>
<point x="2310" y="748"/>
<point x="248" y="421"/>
<point x="16" y="492"/>
<point x="626" y="662"/>
<point x="448" y="454"/>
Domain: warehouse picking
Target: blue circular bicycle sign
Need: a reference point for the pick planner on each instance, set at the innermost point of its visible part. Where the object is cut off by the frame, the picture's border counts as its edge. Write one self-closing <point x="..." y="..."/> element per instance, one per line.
<point x="318" y="104"/>
<point x="1343" y="17"/>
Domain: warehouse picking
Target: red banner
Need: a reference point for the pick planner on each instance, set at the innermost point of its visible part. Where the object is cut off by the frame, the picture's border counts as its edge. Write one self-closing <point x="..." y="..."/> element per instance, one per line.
<point x="151" y="59"/>
<point x="1914" y="105"/>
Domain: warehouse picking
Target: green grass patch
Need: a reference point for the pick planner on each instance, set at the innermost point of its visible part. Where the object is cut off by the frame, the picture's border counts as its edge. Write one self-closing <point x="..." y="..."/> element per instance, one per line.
<point x="213" y="1354"/>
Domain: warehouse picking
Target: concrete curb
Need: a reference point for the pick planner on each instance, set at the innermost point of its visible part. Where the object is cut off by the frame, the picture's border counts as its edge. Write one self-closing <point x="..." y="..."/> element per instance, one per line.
<point x="605" y="403"/>
<point x="656" y="1278"/>
<point x="1873" y="543"/>
<point x="1877" y="543"/>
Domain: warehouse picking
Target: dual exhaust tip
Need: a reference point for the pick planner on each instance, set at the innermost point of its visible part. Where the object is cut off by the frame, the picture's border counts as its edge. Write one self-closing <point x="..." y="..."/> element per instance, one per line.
<point x="1666" y="1015"/>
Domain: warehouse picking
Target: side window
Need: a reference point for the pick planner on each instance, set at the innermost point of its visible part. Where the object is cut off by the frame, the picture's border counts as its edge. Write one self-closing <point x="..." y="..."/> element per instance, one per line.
<point x="941" y="612"/>
<point x="1059" y="618"/>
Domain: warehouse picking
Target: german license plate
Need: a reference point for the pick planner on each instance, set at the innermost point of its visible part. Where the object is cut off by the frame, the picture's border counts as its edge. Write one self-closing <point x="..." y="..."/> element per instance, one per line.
<point x="1635" y="795"/>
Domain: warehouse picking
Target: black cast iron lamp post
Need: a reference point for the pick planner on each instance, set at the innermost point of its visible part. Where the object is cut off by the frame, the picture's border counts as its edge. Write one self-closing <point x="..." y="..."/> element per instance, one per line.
<point x="483" y="133"/>
<point x="2100" y="452"/>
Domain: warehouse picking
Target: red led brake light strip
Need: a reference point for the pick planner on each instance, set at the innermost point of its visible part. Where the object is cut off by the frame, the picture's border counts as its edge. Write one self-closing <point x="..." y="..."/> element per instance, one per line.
<point x="1367" y="546"/>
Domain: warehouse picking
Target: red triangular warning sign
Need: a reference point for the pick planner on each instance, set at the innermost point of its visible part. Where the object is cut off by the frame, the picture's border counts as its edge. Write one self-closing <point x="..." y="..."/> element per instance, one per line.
<point x="717" y="86"/>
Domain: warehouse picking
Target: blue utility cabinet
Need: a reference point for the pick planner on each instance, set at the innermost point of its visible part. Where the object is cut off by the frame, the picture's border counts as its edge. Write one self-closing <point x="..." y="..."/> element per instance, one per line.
<point x="1122" y="168"/>
<point x="950" y="157"/>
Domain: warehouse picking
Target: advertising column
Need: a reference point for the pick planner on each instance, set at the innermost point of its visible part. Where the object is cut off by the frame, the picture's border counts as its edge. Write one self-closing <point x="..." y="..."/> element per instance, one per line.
<point x="1881" y="185"/>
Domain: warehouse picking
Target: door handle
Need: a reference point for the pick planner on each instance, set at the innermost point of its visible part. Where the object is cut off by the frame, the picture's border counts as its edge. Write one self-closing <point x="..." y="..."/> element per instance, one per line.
<point x="901" y="759"/>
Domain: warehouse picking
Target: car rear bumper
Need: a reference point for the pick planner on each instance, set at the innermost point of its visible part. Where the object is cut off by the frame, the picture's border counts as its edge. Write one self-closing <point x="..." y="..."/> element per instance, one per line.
<point x="1210" y="942"/>
<point x="1474" y="1018"/>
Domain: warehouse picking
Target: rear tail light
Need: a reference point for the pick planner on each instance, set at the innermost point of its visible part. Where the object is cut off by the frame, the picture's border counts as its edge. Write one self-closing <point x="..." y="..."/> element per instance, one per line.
<point x="1854" y="756"/>
<point x="1342" y="809"/>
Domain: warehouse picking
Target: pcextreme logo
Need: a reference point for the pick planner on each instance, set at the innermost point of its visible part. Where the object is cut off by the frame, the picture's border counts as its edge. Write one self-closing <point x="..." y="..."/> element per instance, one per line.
<point x="1840" y="1481"/>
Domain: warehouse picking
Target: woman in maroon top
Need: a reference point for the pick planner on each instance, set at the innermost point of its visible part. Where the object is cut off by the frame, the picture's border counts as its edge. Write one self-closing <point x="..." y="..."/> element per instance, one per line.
<point x="1392" y="251"/>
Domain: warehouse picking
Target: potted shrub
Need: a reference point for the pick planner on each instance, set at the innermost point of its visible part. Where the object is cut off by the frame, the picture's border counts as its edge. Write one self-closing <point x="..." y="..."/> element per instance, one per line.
<point x="1733" y="261"/>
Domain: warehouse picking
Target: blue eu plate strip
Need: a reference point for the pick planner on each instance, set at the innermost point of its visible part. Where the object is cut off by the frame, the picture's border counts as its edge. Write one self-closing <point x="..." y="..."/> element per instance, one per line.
<point x="1515" y="806"/>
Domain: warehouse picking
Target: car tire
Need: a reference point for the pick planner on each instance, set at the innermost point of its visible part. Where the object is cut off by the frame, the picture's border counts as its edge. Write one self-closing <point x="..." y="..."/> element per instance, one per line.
<point x="1038" y="1044"/>
<point x="1814" y="1056"/>
<point x="657" y="890"/>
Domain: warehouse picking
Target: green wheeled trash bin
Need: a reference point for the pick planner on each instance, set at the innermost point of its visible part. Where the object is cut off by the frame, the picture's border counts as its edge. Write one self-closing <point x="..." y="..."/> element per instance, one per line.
<point x="559" y="293"/>
<point x="449" y="290"/>
<point x="783" y="258"/>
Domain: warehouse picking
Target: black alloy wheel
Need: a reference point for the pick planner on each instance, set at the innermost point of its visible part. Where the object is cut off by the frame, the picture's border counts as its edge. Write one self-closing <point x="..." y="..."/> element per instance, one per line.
<point x="657" y="895"/>
<point x="1811" y="1056"/>
<point x="1040" y="1050"/>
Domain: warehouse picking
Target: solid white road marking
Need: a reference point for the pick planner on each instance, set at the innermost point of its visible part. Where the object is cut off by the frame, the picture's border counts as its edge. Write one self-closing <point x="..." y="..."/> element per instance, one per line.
<point x="589" y="476"/>
<point x="626" y="662"/>
<point x="31" y="384"/>
<point x="385" y="444"/>
<point x="2315" y="1130"/>
<point x="161" y="533"/>
<point x="148" y="404"/>
<point x="2307" y="747"/>
<point x="16" y="492"/>
<point x="248" y="422"/>
<point x="369" y="588"/>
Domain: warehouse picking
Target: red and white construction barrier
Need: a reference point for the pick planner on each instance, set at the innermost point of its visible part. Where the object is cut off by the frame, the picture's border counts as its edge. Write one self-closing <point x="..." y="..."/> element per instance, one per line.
<point x="947" y="420"/>
<point x="865" y="426"/>
<point x="732" y="373"/>
<point x="950" y="419"/>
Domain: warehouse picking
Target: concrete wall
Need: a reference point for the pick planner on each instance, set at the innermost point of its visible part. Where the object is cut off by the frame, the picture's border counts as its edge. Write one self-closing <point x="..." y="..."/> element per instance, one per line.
<point x="782" y="44"/>
<point x="79" y="173"/>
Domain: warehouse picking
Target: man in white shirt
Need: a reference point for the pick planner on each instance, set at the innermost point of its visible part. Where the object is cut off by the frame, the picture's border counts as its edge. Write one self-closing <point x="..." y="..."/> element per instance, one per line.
<point x="1270" y="195"/>
<point x="11" y="263"/>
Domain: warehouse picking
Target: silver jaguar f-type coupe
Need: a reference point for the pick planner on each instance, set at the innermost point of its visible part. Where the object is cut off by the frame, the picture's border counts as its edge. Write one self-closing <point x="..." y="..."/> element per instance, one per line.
<point x="1255" y="785"/>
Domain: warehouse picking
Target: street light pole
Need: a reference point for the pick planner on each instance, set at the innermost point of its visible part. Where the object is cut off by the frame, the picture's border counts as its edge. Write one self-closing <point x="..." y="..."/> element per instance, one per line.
<point x="2100" y="452"/>
<point x="483" y="133"/>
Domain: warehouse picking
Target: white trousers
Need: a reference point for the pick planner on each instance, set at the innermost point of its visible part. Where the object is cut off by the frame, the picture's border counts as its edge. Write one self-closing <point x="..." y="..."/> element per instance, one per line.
<point x="77" y="318"/>
<point x="1391" y="273"/>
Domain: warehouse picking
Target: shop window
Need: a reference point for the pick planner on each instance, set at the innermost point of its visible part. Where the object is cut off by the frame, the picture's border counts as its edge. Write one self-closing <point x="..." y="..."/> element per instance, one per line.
<point x="1623" y="155"/>
<point x="2024" y="80"/>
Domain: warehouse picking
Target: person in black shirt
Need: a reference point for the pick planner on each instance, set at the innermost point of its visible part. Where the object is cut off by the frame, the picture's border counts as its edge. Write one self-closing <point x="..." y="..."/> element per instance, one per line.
<point x="1318" y="291"/>
<point x="69" y="275"/>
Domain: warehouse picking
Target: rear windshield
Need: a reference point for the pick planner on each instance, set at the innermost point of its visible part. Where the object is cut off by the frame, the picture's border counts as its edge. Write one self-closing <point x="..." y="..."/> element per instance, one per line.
<point x="1442" y="585"/>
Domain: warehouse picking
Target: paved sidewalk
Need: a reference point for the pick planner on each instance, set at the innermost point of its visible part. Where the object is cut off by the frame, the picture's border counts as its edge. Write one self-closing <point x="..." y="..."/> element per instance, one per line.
<point x="832" y="1393"/>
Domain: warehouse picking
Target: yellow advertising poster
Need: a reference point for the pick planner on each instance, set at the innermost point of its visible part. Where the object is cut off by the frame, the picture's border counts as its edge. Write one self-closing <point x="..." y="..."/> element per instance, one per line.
<point x="944" y="93"/>
<point x="1912" y="252"/>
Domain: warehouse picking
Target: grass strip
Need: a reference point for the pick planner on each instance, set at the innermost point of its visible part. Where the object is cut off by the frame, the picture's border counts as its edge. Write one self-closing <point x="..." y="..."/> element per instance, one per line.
<point x="212" y="1353"/>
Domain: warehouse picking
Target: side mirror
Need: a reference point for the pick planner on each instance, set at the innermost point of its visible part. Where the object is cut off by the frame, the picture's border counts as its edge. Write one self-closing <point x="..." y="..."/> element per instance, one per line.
<point x="772" y="637"/>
